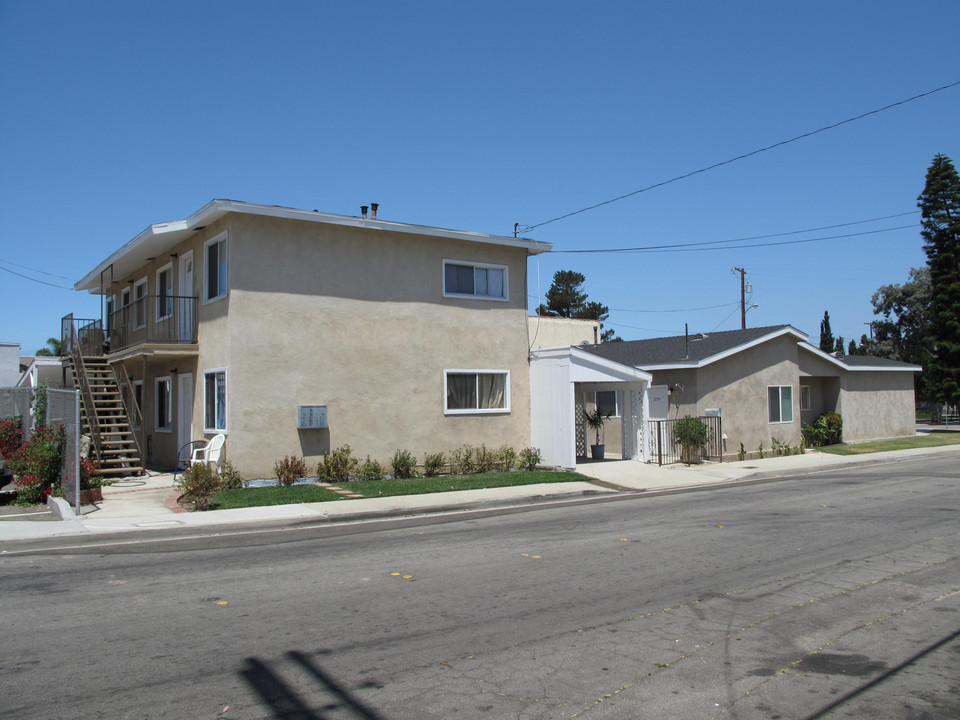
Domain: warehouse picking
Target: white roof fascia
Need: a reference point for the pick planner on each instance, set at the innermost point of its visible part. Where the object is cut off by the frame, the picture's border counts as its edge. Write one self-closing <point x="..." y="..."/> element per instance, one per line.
<point x="176" y="230"/>
<point x="618" y="372"/>
<point x="906" y="367"/>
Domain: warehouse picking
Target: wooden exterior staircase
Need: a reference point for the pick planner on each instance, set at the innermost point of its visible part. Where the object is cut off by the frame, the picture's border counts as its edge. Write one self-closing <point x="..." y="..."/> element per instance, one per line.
<point x="114" y="448"/>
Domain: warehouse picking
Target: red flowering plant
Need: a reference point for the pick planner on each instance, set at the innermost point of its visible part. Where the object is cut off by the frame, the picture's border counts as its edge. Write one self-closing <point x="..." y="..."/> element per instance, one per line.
<point x="89" y="477"/>
<point x="11" y="436"/>
<point x="37" y="464"/>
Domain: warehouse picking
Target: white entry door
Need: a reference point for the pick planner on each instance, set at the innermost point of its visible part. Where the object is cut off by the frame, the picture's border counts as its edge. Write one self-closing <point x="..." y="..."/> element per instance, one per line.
<point x="186" y="308"/>
<point x="184" y="409"/>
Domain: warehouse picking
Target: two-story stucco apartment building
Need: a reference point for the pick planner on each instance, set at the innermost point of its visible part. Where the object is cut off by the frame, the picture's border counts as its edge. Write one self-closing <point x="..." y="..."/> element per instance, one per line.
<point x="412" y="337"/>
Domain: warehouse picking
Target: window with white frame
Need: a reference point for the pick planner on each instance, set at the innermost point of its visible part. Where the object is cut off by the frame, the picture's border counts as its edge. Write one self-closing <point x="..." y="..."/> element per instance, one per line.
<point x="477" y="280"/>
<point x="476" y="391"/>
<point x="138" y="402"/>
<point x="164" y="414"/>
<point x="140" y="304"/>
<point x="215" y="268"/>
<point x="215" y="400"/>
<point x="165" y="292"/>
<point x="804" y="397"/>
<point x="608" y="401"/>
<point x="780" y="403"/>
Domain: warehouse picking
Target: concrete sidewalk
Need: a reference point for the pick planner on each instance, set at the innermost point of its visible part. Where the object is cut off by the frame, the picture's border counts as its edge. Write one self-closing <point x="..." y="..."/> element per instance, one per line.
<point x="149" y="502"/>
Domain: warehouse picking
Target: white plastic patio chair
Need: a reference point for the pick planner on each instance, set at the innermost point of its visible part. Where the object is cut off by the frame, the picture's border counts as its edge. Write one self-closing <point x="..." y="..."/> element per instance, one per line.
<point x="209" y="453"/>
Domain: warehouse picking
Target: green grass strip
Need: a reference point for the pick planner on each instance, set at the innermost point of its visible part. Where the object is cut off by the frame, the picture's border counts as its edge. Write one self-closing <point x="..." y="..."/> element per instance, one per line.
<point x="936" y="438"/>
<point x="258" y="497"/>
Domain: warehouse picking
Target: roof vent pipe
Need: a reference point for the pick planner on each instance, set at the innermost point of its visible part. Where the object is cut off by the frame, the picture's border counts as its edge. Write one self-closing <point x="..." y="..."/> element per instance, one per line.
<point x="373" y="210"/>
<point x="363" y="212"/>
<point x="686" y="339"/>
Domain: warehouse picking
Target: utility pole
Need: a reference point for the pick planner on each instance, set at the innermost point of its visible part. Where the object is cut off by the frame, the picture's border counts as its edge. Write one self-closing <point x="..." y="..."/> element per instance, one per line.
<point x="743" y="299"/>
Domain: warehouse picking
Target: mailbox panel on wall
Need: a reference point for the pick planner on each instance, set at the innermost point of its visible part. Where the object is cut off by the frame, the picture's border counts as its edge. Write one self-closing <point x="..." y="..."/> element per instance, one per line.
<point x="311" y="417"/>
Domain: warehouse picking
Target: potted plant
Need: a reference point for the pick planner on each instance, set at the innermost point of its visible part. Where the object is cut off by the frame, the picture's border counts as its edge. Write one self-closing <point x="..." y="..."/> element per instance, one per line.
<point x="595" y="420"/>
<point x="690" y="434"/>
<point x="91" y="484"/>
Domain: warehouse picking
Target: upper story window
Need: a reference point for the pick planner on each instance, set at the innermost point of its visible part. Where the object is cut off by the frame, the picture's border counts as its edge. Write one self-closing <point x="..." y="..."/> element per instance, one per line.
<point x="215" y="268"/>
<point x="780" y="403"/>
<point x="477" y="280"/>
<point x="165" y="292"/>
<point x="140" y="304"/>
<point x="476" y="391"/>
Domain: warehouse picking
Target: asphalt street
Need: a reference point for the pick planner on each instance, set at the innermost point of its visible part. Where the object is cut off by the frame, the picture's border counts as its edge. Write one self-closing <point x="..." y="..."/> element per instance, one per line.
<point x="822" y="596"/>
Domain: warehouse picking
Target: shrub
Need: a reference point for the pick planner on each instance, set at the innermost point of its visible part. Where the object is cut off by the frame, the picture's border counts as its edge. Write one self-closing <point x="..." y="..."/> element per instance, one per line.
<point x="89" y="477"/>
<point x="530" y="458"/>
<point x="433" y="464"/>
<point x="37" y="464"/>
<point x="230" y="477"/>
<point x="742" y="453"/>
<point x="289" y="470"/>
<point x="338" y="465"/>
<point x="461" y="460"/>
<point x="11" y="436"/>
<point x="507" y="458"/>
<point x="690" y="432"/>
<point x="486" y="460"/>
<point x="404" y="465"/>
<point x="199" y="483"/>
<point x="826" y="430"/>
<point x="370" y="470"/>
<point x="760" y="450"/>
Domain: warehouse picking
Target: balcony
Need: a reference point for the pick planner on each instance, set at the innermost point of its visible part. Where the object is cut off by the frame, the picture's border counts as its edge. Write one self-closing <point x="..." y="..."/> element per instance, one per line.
<point x="148" y="325"/>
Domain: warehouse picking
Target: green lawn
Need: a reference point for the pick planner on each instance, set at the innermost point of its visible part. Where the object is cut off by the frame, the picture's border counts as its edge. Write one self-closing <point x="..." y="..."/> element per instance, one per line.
<point x="255" y="497"/>
<point x="936" y="438"/>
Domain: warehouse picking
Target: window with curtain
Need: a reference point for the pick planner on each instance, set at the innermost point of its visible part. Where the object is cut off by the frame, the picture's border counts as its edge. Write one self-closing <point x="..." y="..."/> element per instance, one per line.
<point x="780" y="403"/>
<point x="215" y="401"/>
<point x="470" y="391"/>
<point x="474" y="280"/>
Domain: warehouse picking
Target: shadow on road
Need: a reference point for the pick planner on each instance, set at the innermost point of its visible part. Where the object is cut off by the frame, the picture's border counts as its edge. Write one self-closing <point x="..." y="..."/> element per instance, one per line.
<point x="284" y="701"/>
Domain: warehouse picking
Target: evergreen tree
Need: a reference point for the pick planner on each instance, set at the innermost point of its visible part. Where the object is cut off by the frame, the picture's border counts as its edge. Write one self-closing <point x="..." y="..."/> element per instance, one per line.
<point x="826" y="335"/>
<point x="852" y="348"/>
<point x="940" y="211"/>
<point x="565" y="298"/>
<point x="838" y="345"/>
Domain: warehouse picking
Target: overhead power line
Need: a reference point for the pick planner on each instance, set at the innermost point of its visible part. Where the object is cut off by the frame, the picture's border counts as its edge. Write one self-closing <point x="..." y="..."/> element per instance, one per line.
<point x="27" y="277"/>
<point x="705" y="246"/>
<point x="529" y="228"/>
<point x="647" y="248"/>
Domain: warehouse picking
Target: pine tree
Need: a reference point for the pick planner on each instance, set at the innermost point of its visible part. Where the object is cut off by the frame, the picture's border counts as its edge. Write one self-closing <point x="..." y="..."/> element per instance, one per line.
<point x="940" y="211"/>
<point x="826" y="335"/>
<point x="566" y="299"/>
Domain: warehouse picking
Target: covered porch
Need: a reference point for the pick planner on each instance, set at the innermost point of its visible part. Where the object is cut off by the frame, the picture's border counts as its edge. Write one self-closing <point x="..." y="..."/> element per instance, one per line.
<point x="563" y="383"/>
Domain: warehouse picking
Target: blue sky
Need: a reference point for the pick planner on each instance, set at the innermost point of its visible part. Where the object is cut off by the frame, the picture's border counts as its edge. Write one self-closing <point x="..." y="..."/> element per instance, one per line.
<point x="116" y="115"/>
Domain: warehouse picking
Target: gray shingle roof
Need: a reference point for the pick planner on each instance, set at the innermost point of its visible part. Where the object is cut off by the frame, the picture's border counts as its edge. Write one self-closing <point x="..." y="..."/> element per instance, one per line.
<point x="678" y="350"/>
<point x="658" y="351"/>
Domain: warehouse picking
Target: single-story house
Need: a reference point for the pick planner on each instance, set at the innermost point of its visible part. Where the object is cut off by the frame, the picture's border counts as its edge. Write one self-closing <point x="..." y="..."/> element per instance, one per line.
<point x="767" y="382"/>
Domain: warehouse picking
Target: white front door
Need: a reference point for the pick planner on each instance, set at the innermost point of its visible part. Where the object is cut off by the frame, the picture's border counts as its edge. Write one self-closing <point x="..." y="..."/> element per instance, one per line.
<point x="184" y="409"/>
<point x="186" y="308"/>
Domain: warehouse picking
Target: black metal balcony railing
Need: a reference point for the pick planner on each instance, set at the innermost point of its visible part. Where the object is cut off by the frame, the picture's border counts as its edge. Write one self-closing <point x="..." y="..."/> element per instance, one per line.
<point x="170" y="319"/>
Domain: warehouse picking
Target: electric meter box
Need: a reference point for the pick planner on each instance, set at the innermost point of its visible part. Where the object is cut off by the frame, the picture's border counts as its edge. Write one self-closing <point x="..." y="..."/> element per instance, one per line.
<point x="311" y="417"/>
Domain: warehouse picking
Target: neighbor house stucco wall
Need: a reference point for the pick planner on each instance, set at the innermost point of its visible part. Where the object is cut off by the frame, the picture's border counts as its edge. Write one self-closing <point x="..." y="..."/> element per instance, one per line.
<point x="552" y="332"/>
<point x="877" y="405"/>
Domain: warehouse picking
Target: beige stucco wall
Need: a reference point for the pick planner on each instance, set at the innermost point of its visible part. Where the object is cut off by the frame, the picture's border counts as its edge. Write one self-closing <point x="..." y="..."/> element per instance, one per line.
<point x="348" y="318"/>
<point x="738" y="386"/>
<point x="877" y="405"/>
<point x="551" y="332"/>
